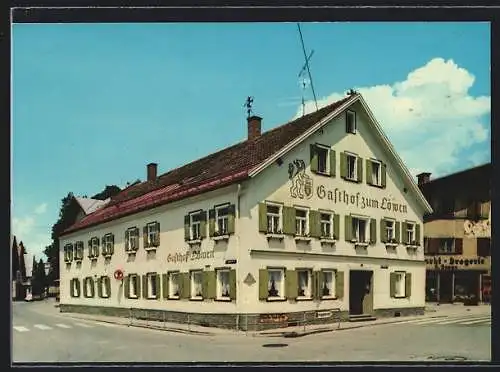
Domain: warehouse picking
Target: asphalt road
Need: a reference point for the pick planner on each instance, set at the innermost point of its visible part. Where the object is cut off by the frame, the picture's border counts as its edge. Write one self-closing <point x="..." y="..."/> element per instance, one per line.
<point x="42" y="334"/>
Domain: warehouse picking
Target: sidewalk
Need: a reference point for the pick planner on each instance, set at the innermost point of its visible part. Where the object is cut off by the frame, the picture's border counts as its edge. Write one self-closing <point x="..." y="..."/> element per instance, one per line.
<point x="431" y="311"/>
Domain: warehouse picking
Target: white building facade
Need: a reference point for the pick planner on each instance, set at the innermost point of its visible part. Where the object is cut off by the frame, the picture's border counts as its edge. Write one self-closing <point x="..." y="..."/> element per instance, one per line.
<point x="329" y="220"/>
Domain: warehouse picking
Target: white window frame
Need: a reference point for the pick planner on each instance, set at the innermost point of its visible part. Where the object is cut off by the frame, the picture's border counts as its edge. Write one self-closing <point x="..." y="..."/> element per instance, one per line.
<point x="378" y="180"/>
<point x="152" y="230"/>
<point x="324" y="222"/>
<point x="132" y="286"/>
<point x="171" y="288"/>
<point x="104" y="288"/>
<point x="132" y="235"/>
<point x="392" y="228"/>
<point x="354" y="128"/>
<point x="401" y="290"/>
<point x="89" y="286"/>
<point x="303" y="221"/>
<point x="355" y="170"/>
<point x="448" y="247"/>
<point x="196" y="291"/>
<point x="333" y="274"/>
<point x="74" y="287"/>
<point x="223" y="218"/>
<point x="273" y="215"/>
<point x="356" y="232"/>
<point x="108" y="243"/>
<point x="326" y="150"/>
<point x="94" y="243"/>
<point x="192" y="224"/>
<point x="308" y="288"/>
<point x="151" y="281"/>
<point x="77" y="245"/>
<point x="411" y="232"/>
<point x="281" y="289"/>
<point x="68" y="253"/>
<point x="222" y="287"/>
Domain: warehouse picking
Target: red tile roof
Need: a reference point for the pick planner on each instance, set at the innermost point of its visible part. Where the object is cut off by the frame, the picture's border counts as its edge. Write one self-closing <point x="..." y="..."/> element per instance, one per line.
<point x="220" y="169"/>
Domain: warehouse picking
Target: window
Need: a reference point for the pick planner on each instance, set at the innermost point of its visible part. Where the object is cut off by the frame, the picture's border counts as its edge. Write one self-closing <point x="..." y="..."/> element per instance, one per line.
<point x="304" y="283"/>
<point x="132" y="239"/>
<point x="173" y="285"/>
<point x="68" y="253"/>
<point x="89" y="287"/>
<point x="323" y="164"/>
<point x="390" y="230"/>
<point x="483" y="247"/>
<point x="107" y="244"/>
<point x="351" y="122"/>
<point x="376" y="173"/>
<point x="352" y="167"/>
<point x="151" y="235"/>
<point x="152" y="285"/>
<point x="274" y="219"/>
<point x="399" y="287"/>
<point x="222" y="220"/>
<point x="327" y="288"/>
<point x="326" y="225"/>
<point x="75" y="287"/>
<point x="301" y="222"/>
<point x="410" y="231"/>
<point x="105" y="283"/>
<point x="197" y="284"/>
<point x="360" y="229"/>
<point x="78" y="251"/>
<point x="223" y="284"/>
<point x="276" y="282"/>
<point x="446" y="246"/>
<point x="195" y="225"/>
<point x="94" y="248"/>
<point x="133" y="280"/>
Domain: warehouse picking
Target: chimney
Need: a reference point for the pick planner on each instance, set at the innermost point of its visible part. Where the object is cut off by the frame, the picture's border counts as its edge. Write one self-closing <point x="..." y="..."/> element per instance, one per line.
<point x="254" y="126"/>
<point x="423" y="178"/>
<point x="152" y="167"/>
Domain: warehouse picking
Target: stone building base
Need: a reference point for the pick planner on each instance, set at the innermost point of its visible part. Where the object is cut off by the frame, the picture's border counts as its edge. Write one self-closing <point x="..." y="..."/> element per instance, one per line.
<point x="242" y="322"/>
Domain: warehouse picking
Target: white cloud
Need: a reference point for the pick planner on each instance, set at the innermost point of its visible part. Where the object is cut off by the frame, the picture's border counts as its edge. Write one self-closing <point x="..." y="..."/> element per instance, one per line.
<point x="41" y="208"/>
<point x="32" y="232"/>
<point x="430" y="117"/>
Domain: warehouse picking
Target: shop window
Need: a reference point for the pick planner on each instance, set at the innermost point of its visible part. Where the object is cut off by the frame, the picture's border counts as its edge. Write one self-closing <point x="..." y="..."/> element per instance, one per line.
<point x="304" y="283"/>
<point x="301" y="222"/>
<point x="223" y="284"/>
<point x="173" y="285"/>
<point x="276" y="284"/>
<point x="197" y="285"/>
<point x="274" y="213"/>
<point x="327" y="288"/>
<point x="483" y="247"/>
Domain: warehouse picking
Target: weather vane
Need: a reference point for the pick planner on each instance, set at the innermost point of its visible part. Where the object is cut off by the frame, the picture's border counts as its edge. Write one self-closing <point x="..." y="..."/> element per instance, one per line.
<point x="248" y="105"/>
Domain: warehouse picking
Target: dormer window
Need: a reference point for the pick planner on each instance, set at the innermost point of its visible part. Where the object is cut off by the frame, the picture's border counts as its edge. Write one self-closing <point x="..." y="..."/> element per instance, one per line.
<point x="350" y="122"/>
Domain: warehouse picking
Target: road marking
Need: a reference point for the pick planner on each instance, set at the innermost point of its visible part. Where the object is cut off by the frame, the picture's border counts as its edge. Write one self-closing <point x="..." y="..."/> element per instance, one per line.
<point x="83" y="325"/>
<point x="62" y="325"/>
<point x="464" y="320"/>
<point x="21" y="329"/>
<point x="424" y="321"/>
<point x="477" y="321"/>
<point x="43" y="327"/>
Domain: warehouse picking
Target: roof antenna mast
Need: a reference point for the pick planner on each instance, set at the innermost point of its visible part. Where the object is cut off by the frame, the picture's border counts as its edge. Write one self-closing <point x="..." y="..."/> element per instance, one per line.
<point x="248" y="104"/>
<point x="306" y="67"/>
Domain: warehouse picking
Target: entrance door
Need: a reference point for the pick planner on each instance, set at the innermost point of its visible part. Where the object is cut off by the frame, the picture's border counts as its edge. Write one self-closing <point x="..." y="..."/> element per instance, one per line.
<point x="360" y="292"/>
<point x="445" y="287"/>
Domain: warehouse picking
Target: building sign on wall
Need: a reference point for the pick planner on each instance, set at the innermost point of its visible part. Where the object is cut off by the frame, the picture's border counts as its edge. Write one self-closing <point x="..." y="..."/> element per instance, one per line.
<point x="190" y="256"/>
<point x="479" y="229"/>
<point x="455" y="262"/>
<point x="303" y="188"/>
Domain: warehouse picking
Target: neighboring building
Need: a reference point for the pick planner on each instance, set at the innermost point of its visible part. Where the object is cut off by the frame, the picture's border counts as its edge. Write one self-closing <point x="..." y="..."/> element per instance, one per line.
<point x="316" y="215"/>
<point x="458" y="235"/>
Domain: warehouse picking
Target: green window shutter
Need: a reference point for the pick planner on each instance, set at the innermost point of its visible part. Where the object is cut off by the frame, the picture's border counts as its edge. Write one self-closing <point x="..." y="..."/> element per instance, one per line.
<point x="314" y="158"/>
<point x="180" y="281"/>
<point x="384" y="175"/>
<point x="158" y="286"/>
<point x="211" y="222"/>
<point x="336" y="226"/>
<point x="383" y="231"/>
<point x="332" y="162"/>
<point x="232" y="284"/>
<point x="164" y="285"/>
<point x="145" y="286"/>
<point x="78" y="287"/>
<point x="316" y="285"/>
<point x="136" y="233"/>
<point x="289" y="220"/>
<point x="126" y="287"/>
<point x="408" y="285"/>
<point x="186" y="285"/>
<point x="319" y="284"/>
<point x="99" y="287"/>
<point x="263" y="217"/>
<point x="112" y="250"/>
<point x="339" y="284"/>
<point x="203" y="224"/>
<point x="343" y="165"/>
<point x="138" y="286"/>
<point x="348" y="228"/>
<point x="209" y="284"/>
<point x="157" y="241"/>
<point x="71" y="287"/>
<point x="369" y="179"/>
<point x="360" y="169"/>
<point x="417" y="233"/>
<point x="231" y="219"/>
<point x="398" y="231"/>
<point x="393" y="285"/>
<point x="291" y="284"/>
<point x="108" y="286"/>
<point x="92" y="287"/>
<point x="187" y="235"/>
<point x="126" y="245"/>
<point x="373" y="231"/>
<point x="263" y="282"/>
<point x="404" y="231"/>
<point x="145" y="236"/>
<point x="314" y="224"/>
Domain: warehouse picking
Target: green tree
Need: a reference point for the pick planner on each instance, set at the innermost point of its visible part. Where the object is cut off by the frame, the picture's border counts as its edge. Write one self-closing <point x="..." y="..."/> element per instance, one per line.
<point x="35" y="281"/>
<point x="41" y="277"/>
<point x="15" y="259"/>
<point x="108" y="192"/>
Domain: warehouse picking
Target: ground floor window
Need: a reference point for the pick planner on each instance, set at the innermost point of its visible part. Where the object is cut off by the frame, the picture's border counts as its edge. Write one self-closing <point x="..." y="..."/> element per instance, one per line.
<point x="75" y="287"/>
<point x="466" y="285"/>
<point x="197" y="284"/>
<point x="223" y="284"/>
<point x="133" y="286"/>
<point x="276" y="283"/>
<point x="152" y="286"/>
<point x="398" y="284"/>
<point x="327" y="288"/>
<point x="89" y="287"/>
<point x="173" y="285"/>
<point x="304" y="283"/>
<point x="105" y="286"/>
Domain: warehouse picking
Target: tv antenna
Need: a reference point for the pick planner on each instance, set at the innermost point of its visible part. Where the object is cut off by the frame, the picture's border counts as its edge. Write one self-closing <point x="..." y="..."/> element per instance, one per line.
<point x="306" y="68"/>
<point x="248" y="104"/>
<point x="303" y="82"/>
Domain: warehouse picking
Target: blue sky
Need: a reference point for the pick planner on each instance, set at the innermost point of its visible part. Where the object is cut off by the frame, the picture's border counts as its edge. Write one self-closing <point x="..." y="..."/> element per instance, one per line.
<point x="94" y="103"/>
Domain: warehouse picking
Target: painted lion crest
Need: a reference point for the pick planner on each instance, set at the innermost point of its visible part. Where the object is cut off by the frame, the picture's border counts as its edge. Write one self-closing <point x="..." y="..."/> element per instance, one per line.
<point x="302" y="184"/>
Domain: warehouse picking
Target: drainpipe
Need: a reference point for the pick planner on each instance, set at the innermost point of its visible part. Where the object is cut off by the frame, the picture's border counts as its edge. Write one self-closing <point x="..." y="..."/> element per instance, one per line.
<point x="237" y="235"/>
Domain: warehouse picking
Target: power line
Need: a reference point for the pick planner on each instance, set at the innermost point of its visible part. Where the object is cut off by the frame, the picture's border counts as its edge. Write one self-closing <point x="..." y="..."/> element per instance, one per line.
<point x="307" y="66"/>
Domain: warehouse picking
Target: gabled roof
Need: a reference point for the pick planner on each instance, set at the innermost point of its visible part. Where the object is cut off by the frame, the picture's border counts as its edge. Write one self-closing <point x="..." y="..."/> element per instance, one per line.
<point x="89" y="205"/>
<point x="219" y="169"/>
